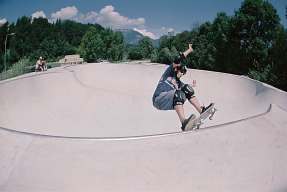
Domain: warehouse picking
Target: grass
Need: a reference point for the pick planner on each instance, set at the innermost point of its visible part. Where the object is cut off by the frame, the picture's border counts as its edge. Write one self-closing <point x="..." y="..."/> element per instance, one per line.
<point x="22" y="67"/>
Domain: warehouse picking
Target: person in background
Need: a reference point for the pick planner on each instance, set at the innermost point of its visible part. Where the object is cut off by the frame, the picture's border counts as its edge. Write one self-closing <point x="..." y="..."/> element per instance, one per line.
<point x="40" y="65"/>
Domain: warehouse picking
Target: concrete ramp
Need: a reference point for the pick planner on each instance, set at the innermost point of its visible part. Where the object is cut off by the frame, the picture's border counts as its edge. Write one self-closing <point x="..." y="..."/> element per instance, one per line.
<point x="93" y="128"/>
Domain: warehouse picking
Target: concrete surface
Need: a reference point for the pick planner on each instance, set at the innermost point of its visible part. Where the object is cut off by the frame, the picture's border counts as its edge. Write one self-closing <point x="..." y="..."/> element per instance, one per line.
<point x="93" y="128"/>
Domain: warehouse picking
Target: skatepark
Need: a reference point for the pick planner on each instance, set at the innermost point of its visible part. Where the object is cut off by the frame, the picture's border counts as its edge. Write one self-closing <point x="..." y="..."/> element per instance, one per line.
<point x="92" y="127"/>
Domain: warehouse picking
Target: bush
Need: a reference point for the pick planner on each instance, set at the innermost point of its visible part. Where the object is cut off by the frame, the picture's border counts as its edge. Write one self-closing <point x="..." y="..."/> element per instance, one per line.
<point x="265" y="75"/>
<point x="165" y="56"/>
<point x="19" y="68"/>
<point x="135" y="54"/>
<point x="154" y="56"/>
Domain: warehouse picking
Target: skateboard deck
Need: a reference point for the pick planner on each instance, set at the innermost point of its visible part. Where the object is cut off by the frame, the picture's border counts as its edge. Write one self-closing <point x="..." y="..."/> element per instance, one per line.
<point x="197" y="122"/>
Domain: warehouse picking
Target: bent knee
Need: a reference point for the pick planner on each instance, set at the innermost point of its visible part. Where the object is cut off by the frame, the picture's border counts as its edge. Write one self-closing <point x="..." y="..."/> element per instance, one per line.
<point x="188" y="91"/>
<point x="179" y="98"/>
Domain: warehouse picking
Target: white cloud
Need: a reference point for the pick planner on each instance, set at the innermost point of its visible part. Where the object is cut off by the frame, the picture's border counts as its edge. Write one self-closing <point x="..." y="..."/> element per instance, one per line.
<point x="89" y="17"/>
<point x="156" y="33"/>
<point x="65" y="13"/>
<point x="108" y="17"/>
<point x="2" y="21"/>
<point x="146" y="33"/>
<point x="38" y="14"/>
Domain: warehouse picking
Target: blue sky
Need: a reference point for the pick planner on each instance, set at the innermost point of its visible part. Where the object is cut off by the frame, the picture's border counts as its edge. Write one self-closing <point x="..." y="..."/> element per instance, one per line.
<point x="150" y="17"/>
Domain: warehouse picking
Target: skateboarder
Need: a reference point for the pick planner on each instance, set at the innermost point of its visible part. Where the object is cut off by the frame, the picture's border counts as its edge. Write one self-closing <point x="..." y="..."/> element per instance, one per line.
<point x="171" y="93"/>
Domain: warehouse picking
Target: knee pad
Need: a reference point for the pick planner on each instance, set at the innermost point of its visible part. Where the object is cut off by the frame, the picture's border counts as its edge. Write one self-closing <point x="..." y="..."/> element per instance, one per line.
<point x="188" y="91"/>
<point x="179" y="98"/>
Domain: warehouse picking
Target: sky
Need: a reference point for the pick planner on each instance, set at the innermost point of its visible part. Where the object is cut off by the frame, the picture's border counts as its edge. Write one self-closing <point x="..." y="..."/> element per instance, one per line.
<point x="152" y="18"/>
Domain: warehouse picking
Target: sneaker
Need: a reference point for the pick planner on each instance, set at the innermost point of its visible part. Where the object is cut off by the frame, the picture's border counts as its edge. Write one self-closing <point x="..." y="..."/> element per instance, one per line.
<point x="205" y="108"/>
<point x="192" y="116"/>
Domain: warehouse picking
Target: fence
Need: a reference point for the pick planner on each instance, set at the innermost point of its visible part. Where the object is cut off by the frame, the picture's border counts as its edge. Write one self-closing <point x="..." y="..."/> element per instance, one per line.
<point x="21" y="68"/>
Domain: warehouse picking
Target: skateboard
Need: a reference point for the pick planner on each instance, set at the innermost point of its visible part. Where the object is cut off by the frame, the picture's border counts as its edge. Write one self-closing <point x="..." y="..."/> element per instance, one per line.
<point x="197" y="122"/>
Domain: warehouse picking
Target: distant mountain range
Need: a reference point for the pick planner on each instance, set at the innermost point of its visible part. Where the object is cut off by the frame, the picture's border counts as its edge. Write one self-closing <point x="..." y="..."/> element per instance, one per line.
<point x="133" y="37"/>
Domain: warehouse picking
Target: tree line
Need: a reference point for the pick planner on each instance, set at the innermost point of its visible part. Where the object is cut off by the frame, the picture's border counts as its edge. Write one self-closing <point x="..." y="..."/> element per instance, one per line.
<point x="250" y="42"/>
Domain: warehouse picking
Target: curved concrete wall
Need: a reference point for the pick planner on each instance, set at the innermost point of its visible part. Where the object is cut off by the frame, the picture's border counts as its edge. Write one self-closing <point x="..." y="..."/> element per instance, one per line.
<point x="111" y="100"/>
<point x="247" y="155"/>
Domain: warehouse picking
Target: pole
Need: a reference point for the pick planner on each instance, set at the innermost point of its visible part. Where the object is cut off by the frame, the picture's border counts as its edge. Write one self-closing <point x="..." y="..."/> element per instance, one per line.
<point x="5" y="53"/>
<point x="5" y="59"/>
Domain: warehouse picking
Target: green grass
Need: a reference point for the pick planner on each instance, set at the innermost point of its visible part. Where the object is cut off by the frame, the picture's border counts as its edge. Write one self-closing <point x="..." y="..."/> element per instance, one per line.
<point x="22" y="67"/>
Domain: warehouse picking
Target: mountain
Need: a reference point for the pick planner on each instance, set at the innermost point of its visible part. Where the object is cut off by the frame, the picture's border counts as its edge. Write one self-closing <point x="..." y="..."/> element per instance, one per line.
<point x="133" y="37"/>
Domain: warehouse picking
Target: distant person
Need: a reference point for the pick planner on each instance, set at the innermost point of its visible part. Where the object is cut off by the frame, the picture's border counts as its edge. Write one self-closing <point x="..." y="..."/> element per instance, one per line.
<point x="41" y="64"/>
<point x="44" y="65"/>
<point x="171" y="93"/>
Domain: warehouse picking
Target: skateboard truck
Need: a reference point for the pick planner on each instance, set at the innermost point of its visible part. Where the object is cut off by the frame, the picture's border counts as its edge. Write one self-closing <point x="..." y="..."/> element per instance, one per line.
<point x="212" y="113"/>
<point x="198" y="125"/>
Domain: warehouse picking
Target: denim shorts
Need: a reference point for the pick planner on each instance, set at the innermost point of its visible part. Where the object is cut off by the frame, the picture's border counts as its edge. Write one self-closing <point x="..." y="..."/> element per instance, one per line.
<point x="164" y="101"/>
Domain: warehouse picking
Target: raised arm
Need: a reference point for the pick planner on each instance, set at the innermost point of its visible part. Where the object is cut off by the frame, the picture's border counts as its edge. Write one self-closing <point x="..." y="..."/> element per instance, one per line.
<point x="182" y="56"/>
<point x="188" y="51"/>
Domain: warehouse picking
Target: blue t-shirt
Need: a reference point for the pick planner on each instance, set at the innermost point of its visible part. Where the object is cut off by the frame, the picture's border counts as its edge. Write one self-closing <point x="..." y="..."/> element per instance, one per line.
<point x="165" y="83"/>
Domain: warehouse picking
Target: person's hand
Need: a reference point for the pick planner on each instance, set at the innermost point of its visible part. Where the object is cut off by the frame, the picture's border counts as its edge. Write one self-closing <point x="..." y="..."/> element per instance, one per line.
<point x="190" y="47"/>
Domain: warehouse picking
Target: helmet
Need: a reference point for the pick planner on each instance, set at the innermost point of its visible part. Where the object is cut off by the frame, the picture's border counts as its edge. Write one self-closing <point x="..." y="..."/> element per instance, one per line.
<point x="41" y="57"/>
<point x="179" y="58"/>
<point x="182" y="69"/>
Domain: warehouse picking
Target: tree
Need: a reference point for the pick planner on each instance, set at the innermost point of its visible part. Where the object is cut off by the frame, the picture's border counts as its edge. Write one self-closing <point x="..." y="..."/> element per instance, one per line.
<point x="92" y="45"/>
<point x="221" y="30"/>
<point x="166" y="42"/>
<point x="154" y="56"/>
<point x="165" y="56"/>
<point x="114" y="43"/>
<point x="278" y="59"/>
<point x="23" y="29"/>
<point x="3" y="32"/>
<point x="180" y="41"/>
<point x="134" y="53"/>
<point x="146" y="47"/>
<point x="74" y="31"/>
<point x="51" y="48"/>
<point x="253" y="33"/>
<point x="203" y="56"/>
<point x="40" y="29"/>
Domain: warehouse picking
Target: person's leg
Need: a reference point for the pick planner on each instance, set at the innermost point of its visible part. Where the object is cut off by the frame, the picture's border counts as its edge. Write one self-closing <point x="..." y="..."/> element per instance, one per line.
<point x="200" y="108"/>
<point x="180" y="112"/>
<point x="194" y="101"/>
<point x="189" y="93"/>
<point x="178" y="101"/>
